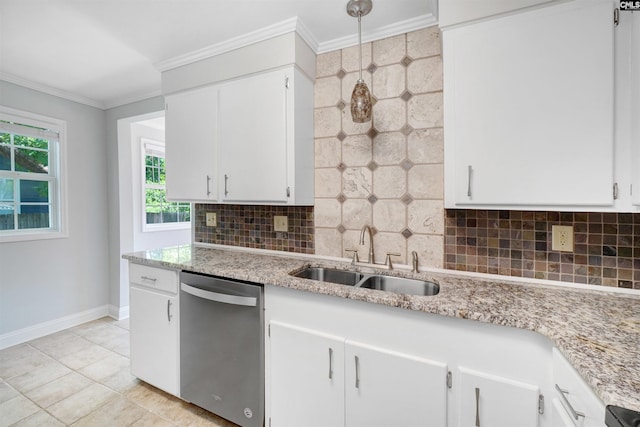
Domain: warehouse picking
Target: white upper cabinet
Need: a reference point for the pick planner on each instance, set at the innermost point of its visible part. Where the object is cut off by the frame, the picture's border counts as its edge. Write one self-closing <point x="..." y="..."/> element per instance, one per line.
<point x="529" y="109"/>
<point x="190" y="145"/>
<point x="239" y="125"/>
<point x="266" y="139"/>
<point x="631" y="26"/>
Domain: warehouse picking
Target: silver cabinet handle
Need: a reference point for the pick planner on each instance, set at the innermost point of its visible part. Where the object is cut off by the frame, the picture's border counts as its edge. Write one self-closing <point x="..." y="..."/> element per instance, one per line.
<point x="469" y="172"/>
<point x="149" y="279"/>
<point x="477" y="404"/>
<point x="563" y="393"/>
<point x="208" y="181"/>
<point x="226" y="178"/>
<point x="330" y="363"/>
<point x="169" y="310"/>
<point x="218" y="297"/>
<point x="357" y="371"/>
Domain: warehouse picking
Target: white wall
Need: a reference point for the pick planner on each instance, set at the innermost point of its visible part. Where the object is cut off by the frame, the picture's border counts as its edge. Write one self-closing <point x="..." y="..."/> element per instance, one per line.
<point x="118" y="295"/>
<point x="150" y="239"/>
<point x="45" y="280"/>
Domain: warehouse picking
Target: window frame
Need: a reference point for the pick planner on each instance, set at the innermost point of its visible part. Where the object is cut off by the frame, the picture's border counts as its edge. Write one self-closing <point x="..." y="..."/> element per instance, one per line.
<point x="159" y="147"/>
<point x="58" y="226"/>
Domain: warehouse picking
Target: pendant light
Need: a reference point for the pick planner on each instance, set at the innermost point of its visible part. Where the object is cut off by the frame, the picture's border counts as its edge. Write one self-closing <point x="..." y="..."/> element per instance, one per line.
<point x="360" y="98"/>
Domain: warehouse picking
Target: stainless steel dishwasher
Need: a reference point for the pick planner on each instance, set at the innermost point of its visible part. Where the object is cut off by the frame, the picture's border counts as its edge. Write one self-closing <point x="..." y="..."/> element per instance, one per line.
<point x="222" y="347"/>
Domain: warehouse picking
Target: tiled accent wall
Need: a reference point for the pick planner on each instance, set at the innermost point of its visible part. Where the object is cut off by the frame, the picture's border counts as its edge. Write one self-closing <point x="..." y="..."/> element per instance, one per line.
<point x="251" y="226"/>
<point x="518" y="243"/>
<point x="387" y="173"/>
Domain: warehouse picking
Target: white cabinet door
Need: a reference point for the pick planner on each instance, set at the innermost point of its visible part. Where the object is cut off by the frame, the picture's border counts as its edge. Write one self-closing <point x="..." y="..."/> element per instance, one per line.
<point x="575" y="395"/>
<point x="559" y="415"/>
<point x="387" y="388"/>
<point x="190" y="145"/>
<point x="253" y="138"/>
<point x="529" y="108"/>
<point x="154" y="338"/>
<point x="493" y="401"/>
<point x="634" y="20"/>
<point x="307" y="377"/>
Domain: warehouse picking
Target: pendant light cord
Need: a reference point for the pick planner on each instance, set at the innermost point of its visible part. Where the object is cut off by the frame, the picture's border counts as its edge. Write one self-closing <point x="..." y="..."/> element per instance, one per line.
<point x="360" y="42"/>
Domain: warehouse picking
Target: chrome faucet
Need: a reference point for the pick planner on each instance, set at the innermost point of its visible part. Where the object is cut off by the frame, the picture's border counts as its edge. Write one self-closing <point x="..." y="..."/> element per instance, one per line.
<point x="372" y="257"/>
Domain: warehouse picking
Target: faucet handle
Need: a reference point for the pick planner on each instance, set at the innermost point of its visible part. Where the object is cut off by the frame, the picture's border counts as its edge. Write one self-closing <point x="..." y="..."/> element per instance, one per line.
<point x="388" y="260"/>
<point x="355" y="255"/>
<point x="414" y="263"/>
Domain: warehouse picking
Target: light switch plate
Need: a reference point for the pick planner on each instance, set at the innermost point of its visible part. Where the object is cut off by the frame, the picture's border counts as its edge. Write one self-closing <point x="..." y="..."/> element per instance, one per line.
<point x="281" y="223"/>
<point x="562" y="238"/>
<point x="212" y="219"/>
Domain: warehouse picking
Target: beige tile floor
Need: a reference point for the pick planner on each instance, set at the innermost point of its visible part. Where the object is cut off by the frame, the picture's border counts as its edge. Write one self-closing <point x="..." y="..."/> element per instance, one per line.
<point x="80" y="377"/>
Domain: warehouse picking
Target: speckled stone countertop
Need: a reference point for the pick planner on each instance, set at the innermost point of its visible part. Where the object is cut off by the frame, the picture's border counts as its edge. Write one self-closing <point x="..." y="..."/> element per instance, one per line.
<point x="597" y="331"/>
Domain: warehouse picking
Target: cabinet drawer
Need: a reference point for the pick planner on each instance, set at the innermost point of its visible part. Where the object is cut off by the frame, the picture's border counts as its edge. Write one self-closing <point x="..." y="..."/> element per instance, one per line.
<point x="153" y="277"/>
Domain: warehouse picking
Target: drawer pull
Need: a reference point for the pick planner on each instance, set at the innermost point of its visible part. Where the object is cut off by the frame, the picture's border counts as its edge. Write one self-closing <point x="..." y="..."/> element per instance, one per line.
<point x="563" y="393"/>
<point x="477" y="407"/>
<point x="149" y="279"/>
<point x="330" y="363"/>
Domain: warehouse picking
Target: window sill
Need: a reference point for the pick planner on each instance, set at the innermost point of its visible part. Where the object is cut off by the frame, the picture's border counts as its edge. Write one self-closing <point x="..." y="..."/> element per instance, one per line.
<point x="166" y="227"/>
<point x="32" y="235"/>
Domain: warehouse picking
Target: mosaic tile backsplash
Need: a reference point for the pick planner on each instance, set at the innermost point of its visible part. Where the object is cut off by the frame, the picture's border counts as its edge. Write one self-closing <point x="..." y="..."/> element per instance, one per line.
<point x="518" y="243"/>
<point x="251" y="226"/>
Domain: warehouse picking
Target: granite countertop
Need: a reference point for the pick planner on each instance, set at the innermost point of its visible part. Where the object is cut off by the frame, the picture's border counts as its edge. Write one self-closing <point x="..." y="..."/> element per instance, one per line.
<point x="597" y="331"/>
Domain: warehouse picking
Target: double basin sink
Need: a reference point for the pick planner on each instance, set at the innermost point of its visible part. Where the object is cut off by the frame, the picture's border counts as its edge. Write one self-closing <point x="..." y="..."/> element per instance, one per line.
<point x="398" y="285"/>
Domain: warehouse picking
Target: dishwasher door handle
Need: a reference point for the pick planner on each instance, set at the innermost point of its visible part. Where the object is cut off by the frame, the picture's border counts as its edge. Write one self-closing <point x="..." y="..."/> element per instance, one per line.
<point x="218" y="297"/>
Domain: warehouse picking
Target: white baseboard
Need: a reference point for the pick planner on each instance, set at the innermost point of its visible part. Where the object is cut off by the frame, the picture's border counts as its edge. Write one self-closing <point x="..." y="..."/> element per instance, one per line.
<point x="118" y="313"/>
<point x="36" y="331"/>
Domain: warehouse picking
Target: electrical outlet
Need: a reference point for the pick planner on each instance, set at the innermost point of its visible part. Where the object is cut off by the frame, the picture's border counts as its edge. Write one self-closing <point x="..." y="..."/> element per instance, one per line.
<point x="281" y="223"/>
<point x="562" y="238"/>
<point x="212" y="219"/>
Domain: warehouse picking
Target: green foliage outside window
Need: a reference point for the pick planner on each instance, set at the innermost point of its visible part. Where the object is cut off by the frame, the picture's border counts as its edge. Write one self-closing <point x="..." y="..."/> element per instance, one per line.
<point x="25" y="201"/>
<point x="158" y="210"/>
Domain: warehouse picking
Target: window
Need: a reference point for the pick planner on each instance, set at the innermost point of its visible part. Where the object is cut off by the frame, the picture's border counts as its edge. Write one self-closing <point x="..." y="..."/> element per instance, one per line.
<point x="30" y="176"/>
<point x="159" y="214"/>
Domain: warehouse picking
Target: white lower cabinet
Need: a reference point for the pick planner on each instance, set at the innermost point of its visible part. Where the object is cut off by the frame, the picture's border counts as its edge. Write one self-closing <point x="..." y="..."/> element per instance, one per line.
<point x="387" y="388"/>
<point x="307" y="372"/>
<point x="318" y="379"/>
<point x="576" y="401"/>
<point x="494" y="401"/>
<point x="153" y="326"/>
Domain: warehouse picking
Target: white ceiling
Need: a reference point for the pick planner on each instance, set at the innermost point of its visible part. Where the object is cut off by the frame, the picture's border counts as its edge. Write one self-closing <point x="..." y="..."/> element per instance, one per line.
<point x="109" y="52"/>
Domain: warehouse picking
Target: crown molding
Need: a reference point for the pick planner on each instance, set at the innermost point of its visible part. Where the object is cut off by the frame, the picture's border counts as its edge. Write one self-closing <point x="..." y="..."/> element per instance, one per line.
<point x="51" y="90"/>
<point x="117" y="102"/>
<point x="277" y="29"/>
<point x="129" y="99"/>
<point x="413" y="24"/>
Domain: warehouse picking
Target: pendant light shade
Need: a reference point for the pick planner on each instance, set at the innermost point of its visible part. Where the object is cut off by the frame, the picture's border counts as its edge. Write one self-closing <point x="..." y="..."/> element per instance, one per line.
<point x="361" y="97"/>
<point x="361" y="103"/>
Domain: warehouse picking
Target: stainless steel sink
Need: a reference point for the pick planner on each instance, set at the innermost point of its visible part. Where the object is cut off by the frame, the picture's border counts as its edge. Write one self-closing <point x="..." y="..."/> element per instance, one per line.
<point x="400" y="285"/>
<point x="342" y="277"/>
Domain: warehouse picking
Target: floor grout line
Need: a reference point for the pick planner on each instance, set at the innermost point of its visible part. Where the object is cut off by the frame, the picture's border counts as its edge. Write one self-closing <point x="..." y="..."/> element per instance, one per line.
<point x="116" y="393"/>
